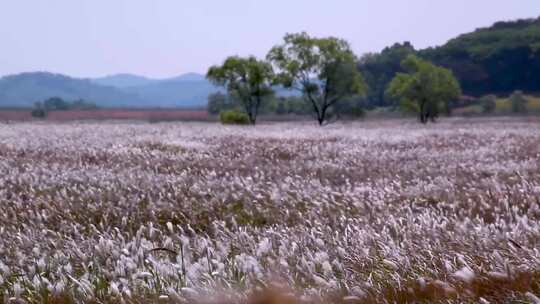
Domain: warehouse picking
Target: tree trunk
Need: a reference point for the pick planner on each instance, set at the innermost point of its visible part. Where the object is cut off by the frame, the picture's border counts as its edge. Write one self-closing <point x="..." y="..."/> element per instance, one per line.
<point x="248" y="107"/>
<point x="255" y="110"/>
<point x="423" y="114"/>
<point x="318" y="113"/>
<point x="321" y="117"/>
<point x="252" y="118"/>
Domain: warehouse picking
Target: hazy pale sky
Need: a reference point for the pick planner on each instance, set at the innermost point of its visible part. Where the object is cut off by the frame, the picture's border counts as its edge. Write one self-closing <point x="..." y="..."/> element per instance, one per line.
<point x="162" y="38"/>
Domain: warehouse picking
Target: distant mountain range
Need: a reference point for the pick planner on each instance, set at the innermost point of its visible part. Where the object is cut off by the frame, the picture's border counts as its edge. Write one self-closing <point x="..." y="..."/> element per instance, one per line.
<point x="121" y="90"/>
<point x="124" y="81"/>
<point x="130" y="80"/>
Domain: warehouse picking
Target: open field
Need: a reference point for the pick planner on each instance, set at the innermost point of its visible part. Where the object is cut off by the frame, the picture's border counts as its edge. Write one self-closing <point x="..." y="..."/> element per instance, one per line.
<point x="373" y="212"/>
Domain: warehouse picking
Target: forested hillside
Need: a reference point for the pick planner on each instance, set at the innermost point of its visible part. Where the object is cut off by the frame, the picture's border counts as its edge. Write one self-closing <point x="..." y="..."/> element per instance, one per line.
<point x="500" y="59"/>
<point x="495" y="60"/>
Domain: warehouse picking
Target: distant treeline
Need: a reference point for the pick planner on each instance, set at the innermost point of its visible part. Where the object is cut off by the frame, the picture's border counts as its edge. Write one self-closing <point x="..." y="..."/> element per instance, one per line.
<point x="58" y="104"/>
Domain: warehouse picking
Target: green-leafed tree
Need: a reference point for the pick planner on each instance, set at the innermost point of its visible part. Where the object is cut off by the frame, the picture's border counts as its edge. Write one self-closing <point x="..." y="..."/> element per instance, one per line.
<point x="56" y="104"/>
<point x="425" y="88"/>
<point x="322" y="69"/>
<point x="247" y="79"/>
<point x="378" y="69"/>
<point x="38" y="111"/>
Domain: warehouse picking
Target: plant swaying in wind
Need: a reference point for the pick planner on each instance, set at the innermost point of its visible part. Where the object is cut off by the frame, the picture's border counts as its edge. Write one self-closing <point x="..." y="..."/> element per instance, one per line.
<point x="425" y="88"/>
<point x="247" y="79"/>
<point x="322" y="69"/>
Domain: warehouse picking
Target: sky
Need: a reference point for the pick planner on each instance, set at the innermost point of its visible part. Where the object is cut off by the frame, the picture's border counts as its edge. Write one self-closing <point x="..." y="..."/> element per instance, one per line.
<point x="165" y="38"/>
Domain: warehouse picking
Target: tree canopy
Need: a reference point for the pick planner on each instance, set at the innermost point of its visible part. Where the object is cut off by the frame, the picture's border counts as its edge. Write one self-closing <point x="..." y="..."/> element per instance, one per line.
<point x="424" y="88"/>
<point x="379" y="69"/>
<point x="249" y="80"/>
<point x="322" y="69"/>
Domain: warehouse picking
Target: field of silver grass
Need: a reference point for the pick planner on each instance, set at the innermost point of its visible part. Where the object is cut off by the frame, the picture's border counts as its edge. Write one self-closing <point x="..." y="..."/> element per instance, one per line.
<point x="368" y="212"/>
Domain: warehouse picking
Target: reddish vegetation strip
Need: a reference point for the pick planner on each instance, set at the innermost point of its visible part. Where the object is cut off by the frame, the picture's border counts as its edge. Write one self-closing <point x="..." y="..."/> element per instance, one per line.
<point x="109" y="114"/>
<point x="128" y="114"/>
<point x="15" y="115"/>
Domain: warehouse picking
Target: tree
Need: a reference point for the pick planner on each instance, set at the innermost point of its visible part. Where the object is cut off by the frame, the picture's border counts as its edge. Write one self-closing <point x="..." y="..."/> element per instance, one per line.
<point x="38" y="111"/>
<point x="378" y="69"/>
<point x="81" y="104"/>
<point x="425" y="88"/>
<point x="247" y="79"/>
<point x="56" y="104"/>
<point x="322" y="69"/>
<point x="518" y="102"/>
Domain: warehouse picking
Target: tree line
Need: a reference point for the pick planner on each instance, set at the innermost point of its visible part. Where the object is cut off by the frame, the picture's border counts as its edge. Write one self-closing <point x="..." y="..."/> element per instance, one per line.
<point x="324" y="74"/>
<point x="41" y="109"/>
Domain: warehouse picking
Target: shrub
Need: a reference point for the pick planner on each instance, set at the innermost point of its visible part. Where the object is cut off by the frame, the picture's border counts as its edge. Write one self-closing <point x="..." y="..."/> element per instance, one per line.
<point x="281" y="109"/>
<point x="488" y="103"/>
<point x="39" y="113"/>
<point x="233" y="117"/>
<point x="518" y="102"/>
<point x="357" y="112"/>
